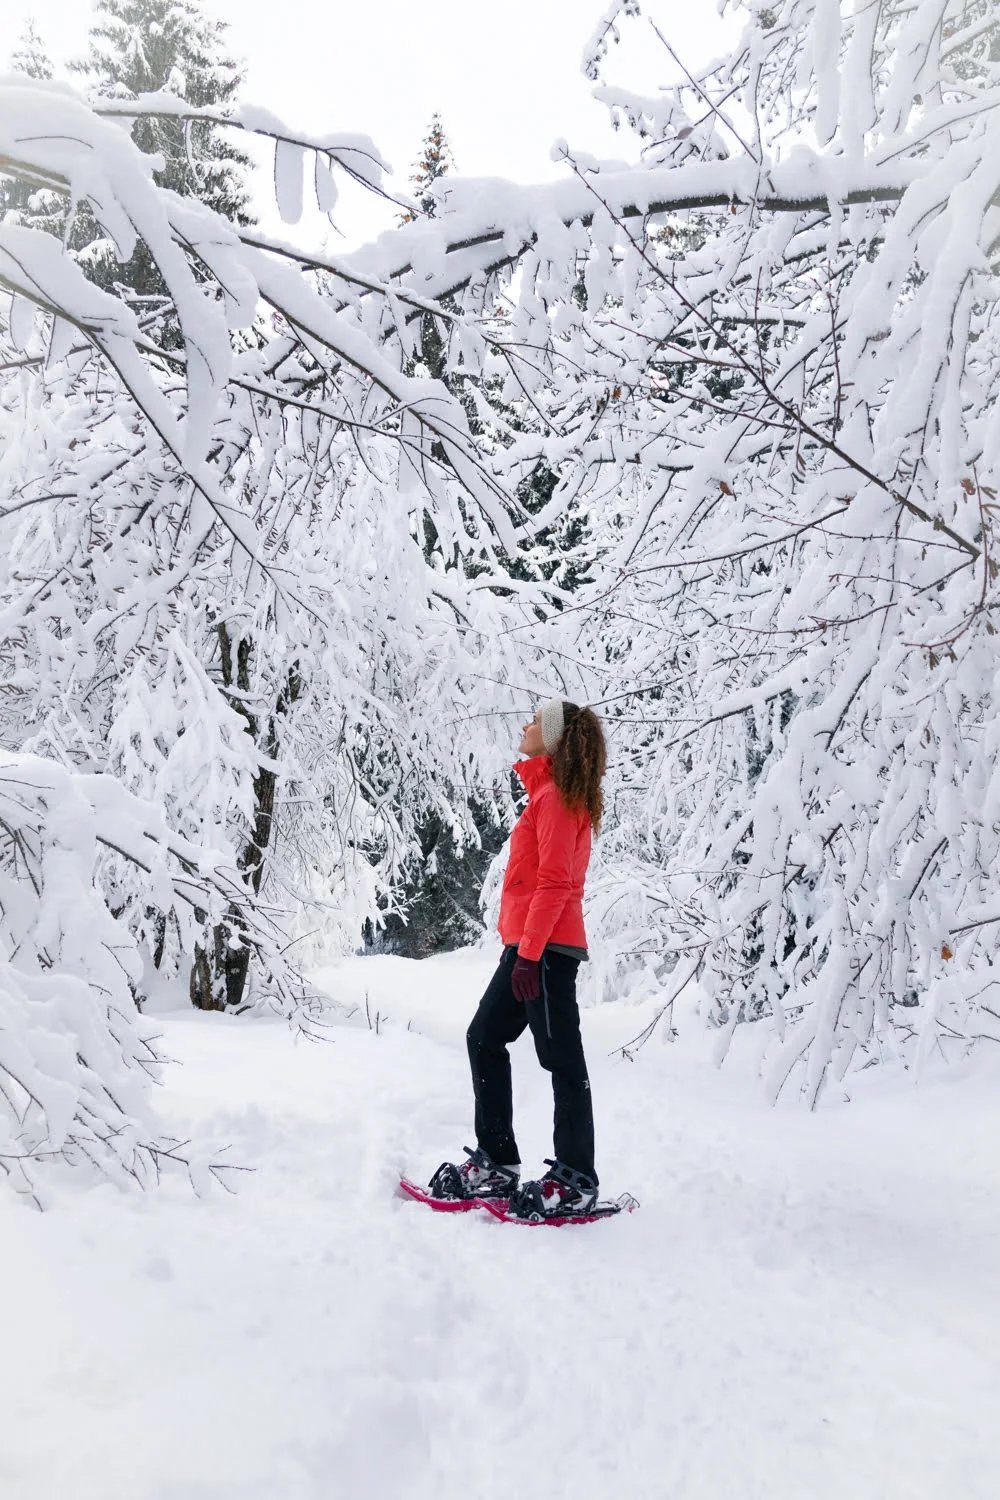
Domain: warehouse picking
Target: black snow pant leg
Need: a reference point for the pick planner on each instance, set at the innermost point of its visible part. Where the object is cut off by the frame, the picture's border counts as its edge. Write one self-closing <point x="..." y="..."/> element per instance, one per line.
<point x="554" y="1019"/>
<point x="499" y="1021"/>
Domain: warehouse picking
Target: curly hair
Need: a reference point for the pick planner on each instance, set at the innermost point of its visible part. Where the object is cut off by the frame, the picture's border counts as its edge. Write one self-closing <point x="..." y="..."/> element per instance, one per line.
<point x="580" y="761"/>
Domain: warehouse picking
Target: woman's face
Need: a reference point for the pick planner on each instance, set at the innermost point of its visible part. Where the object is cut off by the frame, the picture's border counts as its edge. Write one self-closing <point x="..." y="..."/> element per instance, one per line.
<point x="531" y="737"/>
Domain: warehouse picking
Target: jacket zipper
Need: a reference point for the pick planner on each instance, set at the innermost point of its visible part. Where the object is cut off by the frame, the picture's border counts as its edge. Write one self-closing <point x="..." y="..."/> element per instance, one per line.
<point x="545" y="1000"/>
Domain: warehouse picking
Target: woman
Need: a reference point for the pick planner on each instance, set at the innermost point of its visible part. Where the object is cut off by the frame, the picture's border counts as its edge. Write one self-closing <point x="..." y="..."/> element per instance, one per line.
<point x="541" y="924"/>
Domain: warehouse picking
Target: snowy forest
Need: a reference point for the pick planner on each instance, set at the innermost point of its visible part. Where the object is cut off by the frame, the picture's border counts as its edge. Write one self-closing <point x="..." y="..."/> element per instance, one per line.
<point x="295" y="538"/>
<point x="291" y="540"/>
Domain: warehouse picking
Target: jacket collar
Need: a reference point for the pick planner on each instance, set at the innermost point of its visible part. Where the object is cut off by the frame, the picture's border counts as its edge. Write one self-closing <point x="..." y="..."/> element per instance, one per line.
<point x="534" y="771"/>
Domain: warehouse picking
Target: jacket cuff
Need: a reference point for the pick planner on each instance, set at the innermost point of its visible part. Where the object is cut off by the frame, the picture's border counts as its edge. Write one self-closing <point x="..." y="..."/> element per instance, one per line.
<point x="530" y="948"/>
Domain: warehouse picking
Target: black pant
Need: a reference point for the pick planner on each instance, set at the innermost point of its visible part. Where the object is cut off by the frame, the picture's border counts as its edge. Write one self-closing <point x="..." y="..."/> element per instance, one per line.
<point x="554" y="1019"/>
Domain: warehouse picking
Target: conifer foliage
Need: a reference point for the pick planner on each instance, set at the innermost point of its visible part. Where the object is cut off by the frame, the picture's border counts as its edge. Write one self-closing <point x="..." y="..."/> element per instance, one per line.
<point x="31" y="59"/>
<point x="436" y="907"/>
<point x="436" y="160"/>
<point x="29" y="56"/>
<point x="140" y="47"/>
<point x="144" y="46"/>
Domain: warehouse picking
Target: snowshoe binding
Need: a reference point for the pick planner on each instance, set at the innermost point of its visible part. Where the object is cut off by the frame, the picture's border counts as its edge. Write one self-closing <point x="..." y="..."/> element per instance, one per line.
<point x="477" y="1178"/>
<point x="561" y="1194"/>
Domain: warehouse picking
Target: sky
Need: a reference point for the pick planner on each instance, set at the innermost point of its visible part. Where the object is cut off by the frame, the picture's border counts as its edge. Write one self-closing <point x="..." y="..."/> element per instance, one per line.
<point x="505" y="79"/>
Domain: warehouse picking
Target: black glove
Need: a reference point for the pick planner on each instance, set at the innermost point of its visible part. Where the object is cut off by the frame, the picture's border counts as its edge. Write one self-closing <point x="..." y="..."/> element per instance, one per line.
<point x="525" y="980"/>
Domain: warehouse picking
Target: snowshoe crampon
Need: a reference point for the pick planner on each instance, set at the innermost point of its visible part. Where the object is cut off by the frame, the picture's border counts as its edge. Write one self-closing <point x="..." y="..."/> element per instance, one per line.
<point x="604" y="1208"/>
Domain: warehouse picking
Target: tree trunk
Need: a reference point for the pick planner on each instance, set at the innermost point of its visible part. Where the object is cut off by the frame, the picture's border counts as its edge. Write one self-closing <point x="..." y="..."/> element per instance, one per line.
<point x="220" y="972"/>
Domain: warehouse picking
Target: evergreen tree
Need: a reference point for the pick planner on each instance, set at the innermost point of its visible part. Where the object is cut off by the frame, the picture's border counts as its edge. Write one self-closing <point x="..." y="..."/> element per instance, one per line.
<point x="436" y="159"/>
<point x="143" y="46"/>
<point x="440" y="902"/>
<point x="31" y="206"/>
<point x="439" y="907"/>
<point x="30" y="56"/>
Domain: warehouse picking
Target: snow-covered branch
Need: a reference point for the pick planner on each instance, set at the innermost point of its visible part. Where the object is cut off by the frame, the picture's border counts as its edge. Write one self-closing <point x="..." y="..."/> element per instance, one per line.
<point x="77" y="1059"/>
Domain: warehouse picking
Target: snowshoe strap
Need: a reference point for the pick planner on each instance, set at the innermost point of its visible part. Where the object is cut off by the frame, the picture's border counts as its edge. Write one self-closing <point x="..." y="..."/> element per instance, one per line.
<point x="578" y="1181"/>
<point x="480" y="1158"/>
<point x="485" y="1162"/>
<point x="529" y="1199"/>
<point x="526" y="1200"/>
<point x="447" y="1182"/>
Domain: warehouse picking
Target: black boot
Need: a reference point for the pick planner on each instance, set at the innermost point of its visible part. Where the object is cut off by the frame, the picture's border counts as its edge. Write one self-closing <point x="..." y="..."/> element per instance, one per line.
<point x="560" y="1193"/>
<point x="479" y="1177"/>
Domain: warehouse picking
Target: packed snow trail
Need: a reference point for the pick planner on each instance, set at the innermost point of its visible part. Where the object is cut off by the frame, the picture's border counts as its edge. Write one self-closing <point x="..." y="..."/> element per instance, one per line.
<point x="806" y="1306"/>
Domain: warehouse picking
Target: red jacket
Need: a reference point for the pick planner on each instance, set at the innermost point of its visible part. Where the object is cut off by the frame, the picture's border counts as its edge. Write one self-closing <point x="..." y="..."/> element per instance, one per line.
<point x="542" y="899"/>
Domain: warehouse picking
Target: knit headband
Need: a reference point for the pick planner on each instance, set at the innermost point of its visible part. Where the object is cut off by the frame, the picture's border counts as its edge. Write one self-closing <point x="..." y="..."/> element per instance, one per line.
<point x="553" y="724"/>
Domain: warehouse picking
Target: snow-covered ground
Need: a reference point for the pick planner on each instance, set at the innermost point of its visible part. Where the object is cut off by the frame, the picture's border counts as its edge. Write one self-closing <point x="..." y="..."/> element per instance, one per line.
<point x="806" y="1307"/>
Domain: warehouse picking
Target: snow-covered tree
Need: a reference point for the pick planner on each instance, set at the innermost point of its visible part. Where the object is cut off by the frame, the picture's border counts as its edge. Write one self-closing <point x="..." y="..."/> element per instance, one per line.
<point x="76" y="1057"/>
<point x="780" y="427"/>
<point x="243" y="624"/>
<point x="139" y="47"/>
<point x="145" y="46"/>
<point x="435" y="161"/>
<point x="796" y="614"/>
<point x="773" y="419"/>
<point x="30" y="58"/>
<point x="816" y="543"/>
<point x="436" y="907"/>
<point x="214" y="590"/>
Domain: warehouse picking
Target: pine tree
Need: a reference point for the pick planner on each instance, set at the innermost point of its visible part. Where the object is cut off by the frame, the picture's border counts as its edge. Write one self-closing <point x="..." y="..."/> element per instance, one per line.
<point x="440" y="902"/>
<point x="143" y="46"/>
<point x="439" y="906"/>
<point x="30" y="205"/>
<point x="30" y="56"/>
<point x="436" y="160"/>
